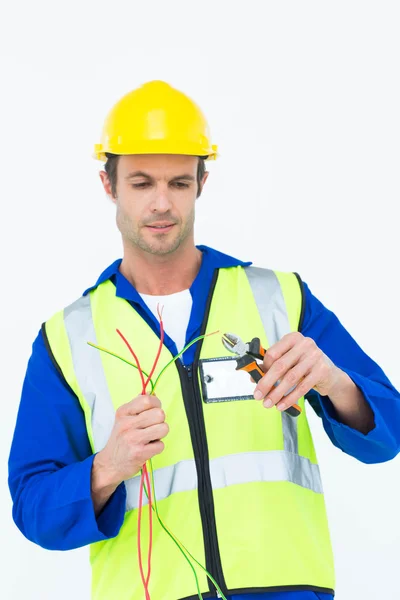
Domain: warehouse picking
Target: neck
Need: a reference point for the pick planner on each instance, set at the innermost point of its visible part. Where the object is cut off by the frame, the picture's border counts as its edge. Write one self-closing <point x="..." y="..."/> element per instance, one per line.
<point x="161" y="275"/>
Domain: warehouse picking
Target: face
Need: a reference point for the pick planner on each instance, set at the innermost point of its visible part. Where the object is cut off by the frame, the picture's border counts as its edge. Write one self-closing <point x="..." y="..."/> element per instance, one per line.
<point x="155" y="201"/>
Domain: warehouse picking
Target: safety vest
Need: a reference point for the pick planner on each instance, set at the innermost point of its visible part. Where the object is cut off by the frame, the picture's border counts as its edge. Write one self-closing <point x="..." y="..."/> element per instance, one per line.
<point x="237" y="484"/>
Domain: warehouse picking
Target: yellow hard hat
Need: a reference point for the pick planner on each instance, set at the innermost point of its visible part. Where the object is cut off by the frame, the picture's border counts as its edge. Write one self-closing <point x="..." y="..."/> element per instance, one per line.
<point x="155" y="119"/>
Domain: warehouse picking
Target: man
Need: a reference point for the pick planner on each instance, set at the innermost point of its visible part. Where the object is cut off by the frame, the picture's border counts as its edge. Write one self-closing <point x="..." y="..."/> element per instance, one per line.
<point x="236" y="480"/>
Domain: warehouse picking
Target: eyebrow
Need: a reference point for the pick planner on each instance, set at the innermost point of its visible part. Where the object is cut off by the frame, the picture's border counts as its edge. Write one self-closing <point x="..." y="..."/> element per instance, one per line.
<point x="137" y="174"/>
<point x="185" y="176"/>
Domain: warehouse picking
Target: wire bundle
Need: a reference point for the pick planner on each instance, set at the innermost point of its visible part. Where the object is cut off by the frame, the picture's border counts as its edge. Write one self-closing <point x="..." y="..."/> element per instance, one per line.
<point x="146" y="479"/>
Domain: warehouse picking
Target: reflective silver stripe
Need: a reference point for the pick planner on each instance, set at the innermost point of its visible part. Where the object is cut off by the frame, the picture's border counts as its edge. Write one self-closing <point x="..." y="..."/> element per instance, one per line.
<point x="89" y="370"/>
<point x="290" y="435"/>
<point x="271" y="305"/>
<point x="270" y="302"/>
<point x="234" y="469"/>
<point x="181" y="477"/>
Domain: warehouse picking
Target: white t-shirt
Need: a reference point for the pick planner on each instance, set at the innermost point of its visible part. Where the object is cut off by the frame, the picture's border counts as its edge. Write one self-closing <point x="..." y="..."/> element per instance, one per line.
<point x="176" y="314"/>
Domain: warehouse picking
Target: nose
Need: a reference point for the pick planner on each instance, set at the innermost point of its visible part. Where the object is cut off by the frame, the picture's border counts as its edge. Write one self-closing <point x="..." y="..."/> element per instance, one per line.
<point x="161" y="202"/>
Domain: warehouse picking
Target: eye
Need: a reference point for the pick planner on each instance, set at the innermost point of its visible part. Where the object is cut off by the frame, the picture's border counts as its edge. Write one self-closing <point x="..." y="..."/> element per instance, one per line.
<point x="181" y="184"/>
<point x="140" y="185"/>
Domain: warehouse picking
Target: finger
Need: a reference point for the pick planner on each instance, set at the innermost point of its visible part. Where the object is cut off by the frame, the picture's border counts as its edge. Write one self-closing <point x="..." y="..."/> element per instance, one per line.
<point x="154" y="433"/>
<point x="154" y="416"/>
<point x="152" y="449"/>
<point x="138" y="405"/>
<point x="288" y="382"/>
<point x="277" y="371"/>
<point x="300" y="390"/>
<point x="280" y="348"/>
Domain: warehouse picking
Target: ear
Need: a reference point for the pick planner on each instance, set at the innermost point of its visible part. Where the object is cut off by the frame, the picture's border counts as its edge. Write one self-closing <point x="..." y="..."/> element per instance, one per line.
<point x="203" y="181"/>
<point x="107" y="185"/>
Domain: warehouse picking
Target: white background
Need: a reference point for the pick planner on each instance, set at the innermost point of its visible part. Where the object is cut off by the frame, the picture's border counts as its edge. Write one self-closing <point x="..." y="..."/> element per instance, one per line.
<point x="303" y="99"/>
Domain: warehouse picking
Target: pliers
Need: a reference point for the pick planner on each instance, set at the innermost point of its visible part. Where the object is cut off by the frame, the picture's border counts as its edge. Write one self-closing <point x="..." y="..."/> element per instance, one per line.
<point x="247" y="353"/>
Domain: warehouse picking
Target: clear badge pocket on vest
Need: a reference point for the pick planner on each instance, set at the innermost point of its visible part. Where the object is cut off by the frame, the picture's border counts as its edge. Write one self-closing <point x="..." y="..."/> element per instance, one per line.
<point x="220" y="382"/>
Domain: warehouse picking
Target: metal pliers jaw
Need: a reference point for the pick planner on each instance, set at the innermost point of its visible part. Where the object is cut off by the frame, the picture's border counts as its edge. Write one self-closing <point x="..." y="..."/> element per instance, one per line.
<point x="246" y="354"/>
<point x="235" y="344"/>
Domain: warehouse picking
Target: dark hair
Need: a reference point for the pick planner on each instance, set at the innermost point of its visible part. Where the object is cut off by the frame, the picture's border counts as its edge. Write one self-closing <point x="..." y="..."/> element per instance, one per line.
<point x="112" y="164"/>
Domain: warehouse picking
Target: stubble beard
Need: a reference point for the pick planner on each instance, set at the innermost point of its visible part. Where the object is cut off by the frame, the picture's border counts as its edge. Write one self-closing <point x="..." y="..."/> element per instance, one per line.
<point x="135" y="235"/>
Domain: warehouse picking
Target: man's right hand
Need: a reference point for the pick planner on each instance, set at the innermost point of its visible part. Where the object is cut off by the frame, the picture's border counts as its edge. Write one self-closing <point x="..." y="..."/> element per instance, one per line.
<point x="136" y="437"/>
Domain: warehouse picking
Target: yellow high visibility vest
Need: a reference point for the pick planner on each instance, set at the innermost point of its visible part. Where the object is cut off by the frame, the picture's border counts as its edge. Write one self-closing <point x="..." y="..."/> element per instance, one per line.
<point x="237" y="484"/>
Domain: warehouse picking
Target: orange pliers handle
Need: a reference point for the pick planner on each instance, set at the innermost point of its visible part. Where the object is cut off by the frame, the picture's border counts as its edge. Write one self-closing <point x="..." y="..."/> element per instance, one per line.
<point x="249" y="364"/>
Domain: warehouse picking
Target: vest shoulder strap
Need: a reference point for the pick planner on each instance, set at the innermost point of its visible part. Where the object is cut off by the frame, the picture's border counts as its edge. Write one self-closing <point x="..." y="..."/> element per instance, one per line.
<point x="280" y="300"/>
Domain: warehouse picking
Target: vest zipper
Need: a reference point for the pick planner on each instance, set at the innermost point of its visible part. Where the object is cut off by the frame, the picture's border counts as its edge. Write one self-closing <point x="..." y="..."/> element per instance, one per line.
<point x="194" y="411"/>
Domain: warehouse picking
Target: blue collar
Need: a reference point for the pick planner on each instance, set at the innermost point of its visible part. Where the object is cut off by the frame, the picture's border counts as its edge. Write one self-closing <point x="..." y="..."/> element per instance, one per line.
<point x="212" y="259"/>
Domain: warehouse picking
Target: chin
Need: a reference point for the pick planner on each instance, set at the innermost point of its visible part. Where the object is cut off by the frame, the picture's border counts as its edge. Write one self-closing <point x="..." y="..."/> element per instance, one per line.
<point x="162" y="246"/>
<point x="160" y="249"/>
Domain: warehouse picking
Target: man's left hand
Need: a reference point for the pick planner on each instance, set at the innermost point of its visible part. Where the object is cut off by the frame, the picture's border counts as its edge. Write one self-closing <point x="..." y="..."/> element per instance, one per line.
<point x="295" y="362"/>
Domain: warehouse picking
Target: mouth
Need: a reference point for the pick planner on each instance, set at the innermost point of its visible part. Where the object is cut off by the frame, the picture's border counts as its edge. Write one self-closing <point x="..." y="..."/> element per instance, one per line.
<point x="160" y="227"/>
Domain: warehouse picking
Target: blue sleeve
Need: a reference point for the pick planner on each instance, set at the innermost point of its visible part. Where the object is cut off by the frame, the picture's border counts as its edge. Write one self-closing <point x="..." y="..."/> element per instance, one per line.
<point x="383" y="442"/>
<point x="50" y="464"/>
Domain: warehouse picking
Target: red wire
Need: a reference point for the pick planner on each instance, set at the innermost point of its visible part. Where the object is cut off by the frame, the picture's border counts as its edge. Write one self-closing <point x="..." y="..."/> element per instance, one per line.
<point x="159" y="347"/>
<point x="144" y="479"/>
<point x="139" y="539"/>
<point x="136" y="360"/>
<point x="145" y="467"/>
<point x="146" y="473"/>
